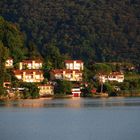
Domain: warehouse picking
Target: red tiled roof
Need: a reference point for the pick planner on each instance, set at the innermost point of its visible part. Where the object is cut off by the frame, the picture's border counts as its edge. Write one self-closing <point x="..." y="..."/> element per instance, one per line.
<point x="19" y="72"/>
<point x="72" y="61"/>
<point x="9" y="58"/>
<point x="68" y="71"/>
<point x="77" y="71"/>
<point x="60" y="71"/>
<point x="113" y="74"/>
<point x="57" y="71"/>
<point x="116" y="73"/>
<point x="30" y="61"/>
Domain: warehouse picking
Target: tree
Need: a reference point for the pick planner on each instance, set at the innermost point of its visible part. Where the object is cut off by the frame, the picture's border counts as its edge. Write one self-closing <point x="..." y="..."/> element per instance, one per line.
<point x="52" y="55"/>
<point x="33" y="53"/>
<point x="63" y="87"/>
<point x="4" y="52"/>
<point x="13" y="39"/>
<point x="91" y="30"/>
<point x="101" y="68"/>
<point x="31" y="90"/>
<point x="109" y="89"/>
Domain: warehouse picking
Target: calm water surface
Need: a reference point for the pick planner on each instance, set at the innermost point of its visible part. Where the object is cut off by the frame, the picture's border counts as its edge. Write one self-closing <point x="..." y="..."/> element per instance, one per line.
<point x="71" y="119"/>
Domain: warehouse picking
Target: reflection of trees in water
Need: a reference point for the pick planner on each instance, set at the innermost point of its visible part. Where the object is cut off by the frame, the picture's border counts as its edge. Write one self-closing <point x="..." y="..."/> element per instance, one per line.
<point x="73" y="103"/>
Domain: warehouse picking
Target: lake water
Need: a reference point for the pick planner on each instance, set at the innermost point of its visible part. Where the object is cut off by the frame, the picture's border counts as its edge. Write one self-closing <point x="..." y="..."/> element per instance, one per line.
<point x="71" y="119"/>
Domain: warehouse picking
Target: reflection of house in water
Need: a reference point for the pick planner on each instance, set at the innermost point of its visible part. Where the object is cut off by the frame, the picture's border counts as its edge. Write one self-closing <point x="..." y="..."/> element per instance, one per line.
<point x="75" y="103"/>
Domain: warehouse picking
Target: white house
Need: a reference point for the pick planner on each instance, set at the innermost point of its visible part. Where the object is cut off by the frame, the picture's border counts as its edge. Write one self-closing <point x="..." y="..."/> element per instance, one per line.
<point x="114" y="76"/>
<point x="31" y="64"/>
<point x="46" y="89"/>
<point x="76" y="91"/>
<point x="29" y="75"/>
<point x="9" y="63"/>
<point x="74" y="64"/>
<point x="66" y="74"/>
<point x="6" y="84"/>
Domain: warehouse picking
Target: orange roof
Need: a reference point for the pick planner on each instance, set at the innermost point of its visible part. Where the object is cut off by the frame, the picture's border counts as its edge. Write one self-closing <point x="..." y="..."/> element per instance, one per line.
<point x="116" y="73"/>
<point x="60" y="71"/>
<point x="19" y="72"/>
<point x="113" y="74"/>
<point x="30" y="61"/>
<point x="72" y="61"/>
<point x="9" y="58"/>
<point x="57" y="71"/>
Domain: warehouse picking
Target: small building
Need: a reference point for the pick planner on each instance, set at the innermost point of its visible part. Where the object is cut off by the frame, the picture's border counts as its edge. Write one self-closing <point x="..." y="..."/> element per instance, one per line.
<point x="114" y="76"/>
<point x="76" y="92"/>
<point x="29" y="75"/>
<point x="7" y="84"/>
<point x="74" y="64"/>
<point x="46" y="89"/>
<point x="31" y="64"/>
<point x="9" y="63"/>
<point x="66" y="74"/>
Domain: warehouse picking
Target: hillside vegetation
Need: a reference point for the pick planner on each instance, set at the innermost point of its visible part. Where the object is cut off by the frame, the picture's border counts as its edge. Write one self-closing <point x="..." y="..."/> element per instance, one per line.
<point x="92" y="30"/>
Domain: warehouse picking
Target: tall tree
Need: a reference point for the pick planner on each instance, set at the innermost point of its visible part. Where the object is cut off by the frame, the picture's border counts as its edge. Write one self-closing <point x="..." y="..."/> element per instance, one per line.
<point x="4" y="52"/>
<point x="33" y="53"/>
<point x="13" y="39"/>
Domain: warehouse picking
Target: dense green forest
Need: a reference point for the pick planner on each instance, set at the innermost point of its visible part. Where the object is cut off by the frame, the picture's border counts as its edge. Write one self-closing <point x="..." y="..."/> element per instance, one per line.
<point x="92" y="30"/>
<point x="11" y="45"/>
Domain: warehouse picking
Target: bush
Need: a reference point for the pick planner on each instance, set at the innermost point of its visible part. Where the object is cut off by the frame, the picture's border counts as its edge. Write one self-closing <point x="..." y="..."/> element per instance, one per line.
<point x="63" y="87"/>
<point x="2" y="91"/>
<point x="31" y="90"/>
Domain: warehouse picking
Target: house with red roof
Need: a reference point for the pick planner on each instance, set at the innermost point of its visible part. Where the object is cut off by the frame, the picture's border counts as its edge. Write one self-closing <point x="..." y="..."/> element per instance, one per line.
<point x="66" y="74"/>
<point x="74" y="64"/>
<point x="114" y="76"/>
<point x="46" y="89"/>
<point x="29" y="75"/>
<point x="76" y="91"/>
<point x="30" y="64"/>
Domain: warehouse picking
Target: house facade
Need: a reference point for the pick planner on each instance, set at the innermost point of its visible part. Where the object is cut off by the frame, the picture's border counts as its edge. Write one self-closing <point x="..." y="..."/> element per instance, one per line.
<point x="66" y="74"/>
<point x="76" y="92"/>
<point x="30" y="64"/>
<point x="74" y="64"/>
<point x="6" y="84"/>
<point x="46" y="89"/>
<point x="114" y="76"/>
<point x="29" y="75"/>
<point x="9" y="63"/>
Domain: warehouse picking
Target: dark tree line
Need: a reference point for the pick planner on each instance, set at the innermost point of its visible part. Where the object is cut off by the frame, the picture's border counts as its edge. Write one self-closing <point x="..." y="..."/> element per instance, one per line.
<point x="92" y="30"/>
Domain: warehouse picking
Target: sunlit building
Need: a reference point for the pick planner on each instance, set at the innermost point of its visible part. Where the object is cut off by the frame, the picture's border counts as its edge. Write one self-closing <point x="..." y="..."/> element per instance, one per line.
<point x="9" y="63"/>
<point x="114" y="76"/>
<point x="46" y="89"/>
<point x="29" y="75"/>
<point x="74" y="64"/>
<point x="31" y="64"/>
<point x="66" y="74"/>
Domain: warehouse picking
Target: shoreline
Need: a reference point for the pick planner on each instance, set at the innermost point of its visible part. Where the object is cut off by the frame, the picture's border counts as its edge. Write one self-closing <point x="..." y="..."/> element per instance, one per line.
<point x="69" y="96"/>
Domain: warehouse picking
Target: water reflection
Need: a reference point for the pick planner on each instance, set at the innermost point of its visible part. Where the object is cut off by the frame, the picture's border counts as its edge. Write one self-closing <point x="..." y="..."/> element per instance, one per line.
<point x="72" y="103"/>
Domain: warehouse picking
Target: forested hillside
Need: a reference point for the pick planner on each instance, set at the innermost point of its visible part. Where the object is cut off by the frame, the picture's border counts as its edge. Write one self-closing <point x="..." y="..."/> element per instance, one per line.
<point x="11" y="45"/>
<point x="92" y="30"/>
